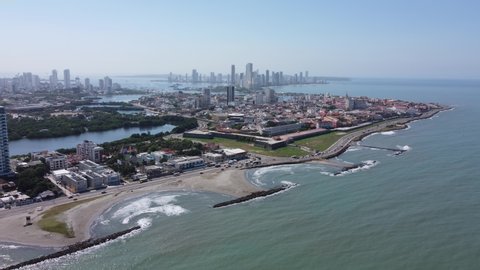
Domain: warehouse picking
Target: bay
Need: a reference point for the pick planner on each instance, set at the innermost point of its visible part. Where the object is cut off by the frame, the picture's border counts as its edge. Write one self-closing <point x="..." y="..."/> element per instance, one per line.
<point x="419" y="210"/>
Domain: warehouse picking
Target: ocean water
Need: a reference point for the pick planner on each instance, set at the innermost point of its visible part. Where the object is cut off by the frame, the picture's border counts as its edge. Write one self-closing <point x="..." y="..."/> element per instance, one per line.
<point x="418" y="210"/>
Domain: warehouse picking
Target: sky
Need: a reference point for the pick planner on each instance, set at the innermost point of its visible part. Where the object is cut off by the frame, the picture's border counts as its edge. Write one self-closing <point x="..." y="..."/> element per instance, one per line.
<point x="374" y="39"/>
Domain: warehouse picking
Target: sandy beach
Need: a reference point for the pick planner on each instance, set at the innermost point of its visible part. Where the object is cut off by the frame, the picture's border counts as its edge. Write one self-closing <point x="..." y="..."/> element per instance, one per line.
<point x="80" y="218"/>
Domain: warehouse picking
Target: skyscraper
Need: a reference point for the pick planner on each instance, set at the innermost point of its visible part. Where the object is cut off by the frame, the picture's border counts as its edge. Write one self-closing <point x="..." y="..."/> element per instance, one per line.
<point x="249" y="76"/>
<point x="108" y="84"/>
<point x="87" y="84"/>
<point x="4" y="151"/>
<point x="53" y="80"/>
<point x="230" y="94"/>
<point x="232" y="75"/>
<point x="206" y="98"/>
<point x="194" y="76"/>
<point x="66" y="78"/>
<point x="267" y="77"/>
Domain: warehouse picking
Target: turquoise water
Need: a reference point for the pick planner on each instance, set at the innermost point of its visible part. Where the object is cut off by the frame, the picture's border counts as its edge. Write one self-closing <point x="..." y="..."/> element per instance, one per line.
<point x="419" y="210"/>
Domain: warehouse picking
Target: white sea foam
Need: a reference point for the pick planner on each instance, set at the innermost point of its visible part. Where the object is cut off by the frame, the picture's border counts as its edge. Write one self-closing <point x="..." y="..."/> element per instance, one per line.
<point x="288" y="183"/>
<point x="105" y="222"/>
<point x="149" y="205"/>
<point x="9" y="247"/>
<point x="5" y="260"/>
<point x="353" y="149"/>
<point x="144" y="223"/>
<point x="405" y="147"/>
<point x="388" y="133"/>
<point x="257" y="175"/>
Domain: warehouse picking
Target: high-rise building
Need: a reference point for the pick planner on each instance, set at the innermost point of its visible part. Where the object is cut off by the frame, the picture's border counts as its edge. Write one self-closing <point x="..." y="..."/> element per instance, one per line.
<point x="194" y="76"/>
<point x="108" y="84"/>
<point x="87" y="84"/>
<point x="53" y="80"/>
<point x="101" y="84"/>
<point x="4" y="151"/>
<point x="206" y="98"/>
<point x="232" y="75"/>
<point x="270" y="96"/>
<point x="66" y="78"/>
<point x="267" y="77"/>
<point x="212" y="77"/>
<point x="78" y="84"/>
<point x="230" y="94"/>
<point x="249" y="76"/>
<point x="90" y="150"/>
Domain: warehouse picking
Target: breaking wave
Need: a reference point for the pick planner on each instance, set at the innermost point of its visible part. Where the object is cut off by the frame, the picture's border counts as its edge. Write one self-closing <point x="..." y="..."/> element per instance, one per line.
<point x="257" y="175"/>
<point x="9" y="247"/>
<point x="353" y="149"/>
<point x="405" y="147"/>
<point x="149" y="205"/>
<point x="388" y="133"/>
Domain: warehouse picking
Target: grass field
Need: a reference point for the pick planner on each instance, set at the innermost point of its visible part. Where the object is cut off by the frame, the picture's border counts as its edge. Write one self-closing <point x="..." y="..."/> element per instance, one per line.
<point x="50" y="223"/>
<point x="287" y="151"/>
<point x="321" y="142"/>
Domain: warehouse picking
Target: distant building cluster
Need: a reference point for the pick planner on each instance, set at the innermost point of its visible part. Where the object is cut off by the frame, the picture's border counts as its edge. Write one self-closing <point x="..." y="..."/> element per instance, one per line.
<point x="28" y="82"/>
<point x="250" y="79"/>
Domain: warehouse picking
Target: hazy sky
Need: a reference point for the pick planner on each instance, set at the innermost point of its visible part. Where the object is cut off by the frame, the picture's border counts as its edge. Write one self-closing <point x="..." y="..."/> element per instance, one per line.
<point x="412" y="39"/>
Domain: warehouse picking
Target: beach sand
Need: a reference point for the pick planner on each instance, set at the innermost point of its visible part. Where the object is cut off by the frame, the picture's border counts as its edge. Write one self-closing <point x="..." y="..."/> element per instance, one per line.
<point x="80" y="218"/>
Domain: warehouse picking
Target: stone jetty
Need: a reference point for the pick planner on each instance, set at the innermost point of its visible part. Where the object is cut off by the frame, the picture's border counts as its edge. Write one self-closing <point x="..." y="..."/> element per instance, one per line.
<point x="73" y="248"/>
<point x="252" y="196"/>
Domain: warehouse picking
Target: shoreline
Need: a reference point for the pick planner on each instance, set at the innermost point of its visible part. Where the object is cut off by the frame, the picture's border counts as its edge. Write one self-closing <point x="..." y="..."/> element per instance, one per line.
<point x="232" y="182"/>
<point x="342" y="144"/>
<point x="83" y="217"/>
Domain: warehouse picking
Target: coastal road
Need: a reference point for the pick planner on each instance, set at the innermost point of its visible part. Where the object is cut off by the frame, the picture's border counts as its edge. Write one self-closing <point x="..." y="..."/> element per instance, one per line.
<point x="344" y="142"/>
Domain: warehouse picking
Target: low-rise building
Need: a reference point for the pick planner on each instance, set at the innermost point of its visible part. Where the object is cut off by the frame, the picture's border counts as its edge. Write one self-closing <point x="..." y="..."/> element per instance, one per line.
<point x="153" y="171"/>
<point x="283" y="129"/>
<point x="234" y="153"/>
<point x="74" y="182"/>
<point x="53" y="159"/>
<point x="109" y="176"/>
<point x="185" y="163"/>
<point x="213" y="157"/>
<point x="161" y="155"/>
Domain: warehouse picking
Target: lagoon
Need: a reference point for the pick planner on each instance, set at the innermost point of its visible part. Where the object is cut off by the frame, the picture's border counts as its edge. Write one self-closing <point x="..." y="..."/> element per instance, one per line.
<point x="25" y="146"/>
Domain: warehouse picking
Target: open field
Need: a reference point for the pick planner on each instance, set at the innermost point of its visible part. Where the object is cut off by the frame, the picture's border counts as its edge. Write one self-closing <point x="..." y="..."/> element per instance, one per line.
<point x="321" y="142"/>
<point x="50" y="222"/>
<point x="287" y="151"/>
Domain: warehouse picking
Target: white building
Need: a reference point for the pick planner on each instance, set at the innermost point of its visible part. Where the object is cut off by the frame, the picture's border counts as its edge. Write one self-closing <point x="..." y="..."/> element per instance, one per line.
<point x="213" y="157"/>
<point x="159" y="155"/>
<point x="90" y="150"/>
<point x="185" y="163"/>
<point x="234" y="153"/>
<point x="109" y="177"/>
<point x="53" y="159"/>
<point x="74" y="182"/>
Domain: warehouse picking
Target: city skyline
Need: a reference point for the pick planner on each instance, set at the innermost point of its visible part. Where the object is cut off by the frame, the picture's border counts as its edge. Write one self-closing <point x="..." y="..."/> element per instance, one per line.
<point x="420" y="39"/>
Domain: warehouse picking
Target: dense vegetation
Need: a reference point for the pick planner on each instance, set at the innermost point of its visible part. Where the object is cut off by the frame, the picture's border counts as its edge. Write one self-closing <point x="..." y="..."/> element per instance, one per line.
<point x="31" y="180"/>
<point x="90" y="120"/>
